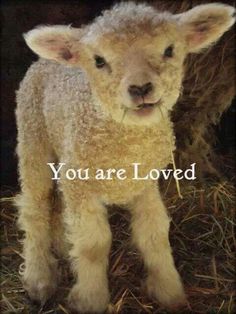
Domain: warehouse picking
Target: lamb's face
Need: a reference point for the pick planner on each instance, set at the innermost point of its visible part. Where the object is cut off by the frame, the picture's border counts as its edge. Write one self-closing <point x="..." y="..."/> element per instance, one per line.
<point x="137" y="77"/>
<point x="134" y="55"/>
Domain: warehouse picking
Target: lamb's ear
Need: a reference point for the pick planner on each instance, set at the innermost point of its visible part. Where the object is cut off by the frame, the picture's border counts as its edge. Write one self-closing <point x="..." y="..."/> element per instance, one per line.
<point x="205" y="23"/>
<point x="59" y="43"/>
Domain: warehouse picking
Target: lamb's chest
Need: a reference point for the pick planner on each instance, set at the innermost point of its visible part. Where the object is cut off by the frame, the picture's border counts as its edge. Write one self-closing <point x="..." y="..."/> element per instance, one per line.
<point x="107" y="150"/>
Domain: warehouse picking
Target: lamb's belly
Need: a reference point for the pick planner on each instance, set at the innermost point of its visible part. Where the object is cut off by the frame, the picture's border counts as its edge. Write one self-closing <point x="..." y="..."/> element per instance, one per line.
<point x="120" y="182"/>
<point x="118" y="153"/>
<point x="120" y="192"/>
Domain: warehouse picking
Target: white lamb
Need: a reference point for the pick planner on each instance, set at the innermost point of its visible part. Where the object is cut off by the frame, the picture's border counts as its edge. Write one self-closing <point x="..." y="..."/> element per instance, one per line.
<point x="103" y="101"/>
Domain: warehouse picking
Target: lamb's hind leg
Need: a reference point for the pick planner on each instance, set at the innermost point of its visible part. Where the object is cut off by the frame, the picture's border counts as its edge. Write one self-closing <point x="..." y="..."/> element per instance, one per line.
<point x="89" y="233"/>
<point x="39" y="275"/>
<point x="150" y="226"/>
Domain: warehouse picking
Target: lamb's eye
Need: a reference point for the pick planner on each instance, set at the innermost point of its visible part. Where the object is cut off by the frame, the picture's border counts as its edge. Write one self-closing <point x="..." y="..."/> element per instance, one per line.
<point x="169" y="52"/>
<point x="99" y="61"/>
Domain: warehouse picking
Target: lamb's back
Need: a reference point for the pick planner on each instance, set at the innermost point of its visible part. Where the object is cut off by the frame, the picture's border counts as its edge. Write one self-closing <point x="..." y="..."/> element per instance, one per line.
<point x="67" y="102"/>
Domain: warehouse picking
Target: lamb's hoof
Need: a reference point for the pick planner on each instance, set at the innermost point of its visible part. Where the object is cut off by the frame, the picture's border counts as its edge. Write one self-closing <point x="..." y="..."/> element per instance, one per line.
<point x="93" y="301"/>
<point x="40" y="285"/>
<point x="170" y="296"/>
<point x="39" y="291"/>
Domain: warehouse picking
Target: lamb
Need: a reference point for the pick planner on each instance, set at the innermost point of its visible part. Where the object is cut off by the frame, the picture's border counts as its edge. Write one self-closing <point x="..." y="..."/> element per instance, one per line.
<point x="100" y="97"/>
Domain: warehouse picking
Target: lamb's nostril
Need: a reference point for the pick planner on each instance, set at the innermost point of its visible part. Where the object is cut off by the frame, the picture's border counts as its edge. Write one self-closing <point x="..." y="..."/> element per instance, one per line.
<point x="135" y="90"/>
<point x="147" y="88"/>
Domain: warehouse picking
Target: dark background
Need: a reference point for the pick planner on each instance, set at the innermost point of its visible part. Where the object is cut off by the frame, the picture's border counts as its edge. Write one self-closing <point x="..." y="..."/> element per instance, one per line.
<point x="20" y="16"/>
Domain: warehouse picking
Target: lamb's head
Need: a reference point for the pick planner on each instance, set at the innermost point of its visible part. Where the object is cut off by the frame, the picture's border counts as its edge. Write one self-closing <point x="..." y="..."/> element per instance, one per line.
<point x="134" y="55"/>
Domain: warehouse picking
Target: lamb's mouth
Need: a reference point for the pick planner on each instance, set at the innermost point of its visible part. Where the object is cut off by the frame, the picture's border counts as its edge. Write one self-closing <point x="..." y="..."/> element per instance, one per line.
<point x="146" y="108"/>
<point x="146" y="105"/>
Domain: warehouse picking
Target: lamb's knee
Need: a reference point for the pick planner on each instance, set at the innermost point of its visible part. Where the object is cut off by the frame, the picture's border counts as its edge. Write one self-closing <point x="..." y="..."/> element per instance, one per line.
<point x="151" y="232"/>
<point x="98" y="250"/>
<point x="92" y="247"/>
<point x="88" y="231"/>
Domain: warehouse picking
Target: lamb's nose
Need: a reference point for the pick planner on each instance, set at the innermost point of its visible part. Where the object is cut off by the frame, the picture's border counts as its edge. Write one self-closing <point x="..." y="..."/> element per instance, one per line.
<point x="143" y="90"/>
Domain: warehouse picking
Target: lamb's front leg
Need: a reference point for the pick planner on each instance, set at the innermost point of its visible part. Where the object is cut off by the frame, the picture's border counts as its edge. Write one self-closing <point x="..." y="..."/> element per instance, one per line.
<point x="150" y="226"/>
<point x="90" y="236"/>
